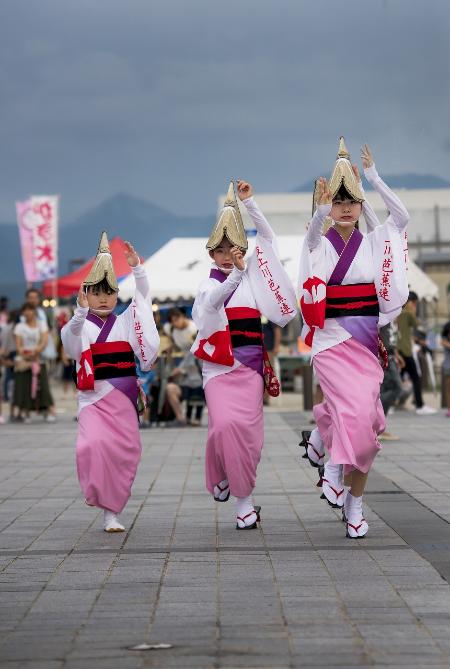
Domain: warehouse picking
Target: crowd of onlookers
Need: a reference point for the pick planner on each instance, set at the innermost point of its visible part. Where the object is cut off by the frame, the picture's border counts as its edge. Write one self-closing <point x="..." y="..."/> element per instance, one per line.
<point x="176" y="377"/>
<point x="31" y="352"/>
<point x="410" y="363"/>
<point x="26" y="348"/>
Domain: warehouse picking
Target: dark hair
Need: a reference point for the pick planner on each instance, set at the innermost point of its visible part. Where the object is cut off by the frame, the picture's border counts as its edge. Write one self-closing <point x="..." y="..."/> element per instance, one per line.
<point x="413" y="297"/>
<point x="13" y="316"/>
<point x="446" y="331"/>
<point x="343" y="194"/>
<point x="102" y="285"/>
<point x="33" y="290"/>
<point x="175" y="312"/>
<point x="27" y="305"/>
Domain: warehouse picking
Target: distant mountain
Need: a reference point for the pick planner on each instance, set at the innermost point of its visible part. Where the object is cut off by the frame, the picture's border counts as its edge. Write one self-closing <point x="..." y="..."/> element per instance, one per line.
<point x="147" y="226"/>
<point x="144" y="224"/>
<point x="411" y="181"/>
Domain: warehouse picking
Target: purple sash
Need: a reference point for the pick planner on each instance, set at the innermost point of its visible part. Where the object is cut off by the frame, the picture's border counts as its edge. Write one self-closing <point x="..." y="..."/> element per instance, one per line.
<point x="363" y="328"/>
<point x="105" y="326"/>
<point x="346" y="253"/>
<point x="126" y="384"/>
<point x="218" y="275"/>
<point x="250" y="356"/>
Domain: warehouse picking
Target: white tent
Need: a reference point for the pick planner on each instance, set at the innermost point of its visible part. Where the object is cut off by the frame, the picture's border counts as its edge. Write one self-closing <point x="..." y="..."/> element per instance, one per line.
<point x="177" y="268"/>
<point x="421" y="283"/>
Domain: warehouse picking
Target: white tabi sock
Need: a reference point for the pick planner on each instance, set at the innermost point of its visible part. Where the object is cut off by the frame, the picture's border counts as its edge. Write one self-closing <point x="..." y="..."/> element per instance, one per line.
<point x="335" y="473"/>
<point x="333" y="484"/>
<point x="111" y="523"/>
<point x="316" y="448"/>
<point x="316" y="441"/>
<point x="245" y="508"/>
<point x="356" y="525"/>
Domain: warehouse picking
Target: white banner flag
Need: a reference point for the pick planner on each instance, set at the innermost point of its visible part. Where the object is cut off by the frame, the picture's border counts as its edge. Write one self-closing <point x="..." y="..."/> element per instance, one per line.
<point x="38" y="223"/>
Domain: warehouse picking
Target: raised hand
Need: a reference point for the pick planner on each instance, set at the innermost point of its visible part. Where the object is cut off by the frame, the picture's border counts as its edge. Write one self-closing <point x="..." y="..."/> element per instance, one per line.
<point x="244" y="189"/>
<point x="131" y="255"/>
<point x="356" y="173"/>
<point x="323" y="192"/>
<point x="366" y="156"/>
<point x="82" y="298"/>
<point x="237" y="257"/>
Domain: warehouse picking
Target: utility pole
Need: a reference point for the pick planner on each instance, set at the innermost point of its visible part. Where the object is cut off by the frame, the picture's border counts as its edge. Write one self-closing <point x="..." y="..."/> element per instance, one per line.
<point x="437" y="227"/>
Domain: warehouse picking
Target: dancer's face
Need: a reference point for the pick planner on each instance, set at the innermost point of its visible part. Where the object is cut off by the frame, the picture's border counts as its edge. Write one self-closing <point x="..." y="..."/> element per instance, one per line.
<point x="101" y="301"/>
<point x="346" y="212"/>
<point x="222" y="256"/>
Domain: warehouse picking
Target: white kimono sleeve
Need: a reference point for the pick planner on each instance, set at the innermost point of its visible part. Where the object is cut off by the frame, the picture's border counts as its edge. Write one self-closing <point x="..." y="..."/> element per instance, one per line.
<point x="368" y="212"/>
<point x="398" y="214"/>
<point x="215" y="295"/>
<point x="273" y="291"/>
<point x="260" y="222"/>
<point x="388" y="250"/>
<point x="140" y="322"/>
<point x="71" y="333"/>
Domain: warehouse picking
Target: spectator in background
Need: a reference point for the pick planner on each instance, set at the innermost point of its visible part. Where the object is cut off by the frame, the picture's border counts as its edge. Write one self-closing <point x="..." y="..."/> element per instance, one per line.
<point x="67" y="373"/>
<point x="180" y="329"/>
<point x="445" y="340"/>
<point x="3" y="311"/>
<point x="391" y="389"/>
<point x="145" y="381"/>
<point x="33" y="297"/>
<point x="407" y="322"/>
<point x="9" y="353"/>
<point x="3" y="326"/>
<point x="31" y="388"/>
<point x="189" y="387"/>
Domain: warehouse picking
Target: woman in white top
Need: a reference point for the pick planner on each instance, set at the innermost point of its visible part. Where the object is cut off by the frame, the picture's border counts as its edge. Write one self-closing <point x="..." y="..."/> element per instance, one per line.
<point x="31" y="387"/>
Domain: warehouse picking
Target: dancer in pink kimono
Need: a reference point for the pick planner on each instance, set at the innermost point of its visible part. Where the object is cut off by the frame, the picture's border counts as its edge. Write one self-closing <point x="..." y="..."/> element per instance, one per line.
<point x="227" y="312"/>
<point x="350" y="285"/>
<point x="104" y="347"/>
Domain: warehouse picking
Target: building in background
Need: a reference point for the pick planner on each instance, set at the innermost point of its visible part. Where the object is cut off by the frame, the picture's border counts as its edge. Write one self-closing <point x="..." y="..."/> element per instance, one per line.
<point x="436" y="264"/>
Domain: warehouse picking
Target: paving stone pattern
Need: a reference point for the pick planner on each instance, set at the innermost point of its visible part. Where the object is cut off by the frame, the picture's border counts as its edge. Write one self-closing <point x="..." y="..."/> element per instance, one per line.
<point x="294" y="593"/>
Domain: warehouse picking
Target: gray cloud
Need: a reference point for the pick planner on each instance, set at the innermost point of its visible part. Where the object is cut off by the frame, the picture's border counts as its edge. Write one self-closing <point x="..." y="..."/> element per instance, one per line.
<point x="167" y="100"/>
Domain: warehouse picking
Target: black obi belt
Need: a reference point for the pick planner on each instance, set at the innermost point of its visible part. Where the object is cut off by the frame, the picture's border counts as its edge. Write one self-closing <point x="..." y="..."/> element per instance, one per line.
<point x="245" y="326"/>
<point x="356" y="299"/>
<point x="113" y="359"/>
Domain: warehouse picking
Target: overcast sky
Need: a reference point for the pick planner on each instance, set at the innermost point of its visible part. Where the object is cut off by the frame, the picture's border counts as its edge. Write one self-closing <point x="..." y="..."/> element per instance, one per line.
<point x="167" y="100"/>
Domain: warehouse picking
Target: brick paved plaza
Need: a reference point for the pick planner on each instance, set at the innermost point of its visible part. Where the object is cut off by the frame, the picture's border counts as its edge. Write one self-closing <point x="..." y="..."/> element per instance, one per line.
<point x="294" y="593"/>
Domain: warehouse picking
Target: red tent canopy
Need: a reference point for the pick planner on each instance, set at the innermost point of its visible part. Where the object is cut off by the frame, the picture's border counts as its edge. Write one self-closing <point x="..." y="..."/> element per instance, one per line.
<point x="69" y="285"/>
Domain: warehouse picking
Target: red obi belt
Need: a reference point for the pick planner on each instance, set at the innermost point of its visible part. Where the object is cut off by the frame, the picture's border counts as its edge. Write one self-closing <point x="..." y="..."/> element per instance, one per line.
<point x="245" y="326"/>
<point x="113" y="359"/>
<point x="357" y="299"/>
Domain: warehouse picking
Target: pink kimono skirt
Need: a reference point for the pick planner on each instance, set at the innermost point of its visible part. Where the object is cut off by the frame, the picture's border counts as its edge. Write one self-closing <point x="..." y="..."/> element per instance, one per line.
<point x="235" y="429"/>
<point x="351" y="415"/>
<point x="108" y="451"/>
